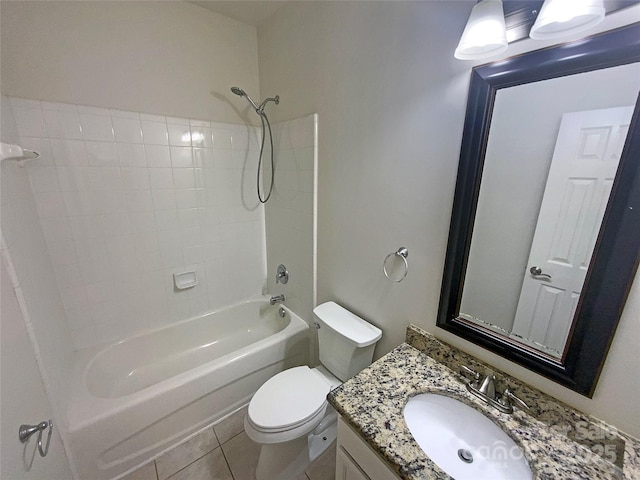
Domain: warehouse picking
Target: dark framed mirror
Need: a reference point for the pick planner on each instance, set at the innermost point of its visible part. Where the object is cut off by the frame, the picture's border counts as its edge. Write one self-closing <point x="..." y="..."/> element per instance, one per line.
<point x="610" y="268"/>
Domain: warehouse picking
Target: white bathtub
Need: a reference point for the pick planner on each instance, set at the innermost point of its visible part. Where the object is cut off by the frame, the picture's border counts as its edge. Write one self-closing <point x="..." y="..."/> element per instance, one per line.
<point x="135" y="399"/>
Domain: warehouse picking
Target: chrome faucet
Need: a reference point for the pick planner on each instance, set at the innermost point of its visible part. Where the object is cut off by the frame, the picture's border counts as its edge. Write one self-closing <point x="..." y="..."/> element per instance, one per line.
<point x="486" y="391"/>
<point x="276" y="299"/>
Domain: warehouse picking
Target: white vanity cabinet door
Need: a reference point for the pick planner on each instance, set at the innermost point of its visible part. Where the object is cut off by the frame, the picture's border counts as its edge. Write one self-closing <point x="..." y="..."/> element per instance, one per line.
<point x="346" y="468"/>
<point x="355" y="460"/>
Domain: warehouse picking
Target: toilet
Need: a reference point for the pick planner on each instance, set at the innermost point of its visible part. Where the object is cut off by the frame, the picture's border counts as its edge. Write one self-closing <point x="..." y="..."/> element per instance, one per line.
<point x="289" y="415"/>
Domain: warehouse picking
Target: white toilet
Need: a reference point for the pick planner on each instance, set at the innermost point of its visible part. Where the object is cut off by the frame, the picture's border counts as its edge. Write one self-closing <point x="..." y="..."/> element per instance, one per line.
<point x="289" y="415"/>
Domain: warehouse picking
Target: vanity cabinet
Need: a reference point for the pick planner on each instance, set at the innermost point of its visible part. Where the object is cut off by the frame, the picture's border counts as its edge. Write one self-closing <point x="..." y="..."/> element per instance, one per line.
<point x="355" y="460"/>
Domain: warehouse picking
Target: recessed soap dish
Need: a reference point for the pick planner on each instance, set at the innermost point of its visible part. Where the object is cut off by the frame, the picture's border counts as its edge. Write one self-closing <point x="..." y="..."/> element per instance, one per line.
<point x="185" y="280"/>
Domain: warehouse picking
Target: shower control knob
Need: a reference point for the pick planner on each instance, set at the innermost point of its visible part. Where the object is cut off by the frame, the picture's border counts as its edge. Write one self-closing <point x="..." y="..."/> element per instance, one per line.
<point x="282" y="275"/>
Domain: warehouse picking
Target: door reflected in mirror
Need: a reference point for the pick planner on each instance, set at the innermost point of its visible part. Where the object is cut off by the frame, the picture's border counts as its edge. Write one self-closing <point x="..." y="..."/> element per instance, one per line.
<point x="551" y="159"/>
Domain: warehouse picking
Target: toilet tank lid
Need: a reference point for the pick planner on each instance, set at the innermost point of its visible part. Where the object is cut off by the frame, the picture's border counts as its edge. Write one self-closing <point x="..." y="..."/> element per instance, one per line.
<point x="347" y="324"/>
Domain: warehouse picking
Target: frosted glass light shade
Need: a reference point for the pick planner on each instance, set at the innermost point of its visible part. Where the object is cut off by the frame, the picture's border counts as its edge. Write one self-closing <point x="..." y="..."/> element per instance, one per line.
<point x="560" y="18"/>
<point x="485" y="33"/>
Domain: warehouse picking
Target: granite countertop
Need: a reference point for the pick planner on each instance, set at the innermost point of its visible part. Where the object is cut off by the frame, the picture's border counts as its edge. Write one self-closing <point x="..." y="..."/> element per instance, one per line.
<point x="558" y="441"/>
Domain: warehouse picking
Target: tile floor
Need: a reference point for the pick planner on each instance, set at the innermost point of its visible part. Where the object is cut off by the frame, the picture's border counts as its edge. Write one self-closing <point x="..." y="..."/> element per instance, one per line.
<point x="222" y="452"/>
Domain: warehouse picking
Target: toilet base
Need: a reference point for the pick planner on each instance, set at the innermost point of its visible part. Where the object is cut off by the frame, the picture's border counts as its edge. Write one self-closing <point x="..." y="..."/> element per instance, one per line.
<point x="285" y="461"/>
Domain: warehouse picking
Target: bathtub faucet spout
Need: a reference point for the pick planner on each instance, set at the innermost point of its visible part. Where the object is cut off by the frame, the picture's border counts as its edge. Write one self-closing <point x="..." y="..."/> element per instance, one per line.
<point x="277" y="299"/>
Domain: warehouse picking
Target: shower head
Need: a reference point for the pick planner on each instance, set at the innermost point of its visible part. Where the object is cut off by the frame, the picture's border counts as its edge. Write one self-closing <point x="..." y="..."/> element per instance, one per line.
<point x="238" y="91"/>
<point x="241" y="93"/>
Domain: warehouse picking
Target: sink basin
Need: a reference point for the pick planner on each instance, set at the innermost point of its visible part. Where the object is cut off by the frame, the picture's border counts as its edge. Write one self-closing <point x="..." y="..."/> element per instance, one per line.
<point x="462" y="441"/>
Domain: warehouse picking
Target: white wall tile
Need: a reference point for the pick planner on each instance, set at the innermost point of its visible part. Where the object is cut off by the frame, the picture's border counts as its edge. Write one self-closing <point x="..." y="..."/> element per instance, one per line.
<point x="73" y="178"/>
<point x="148" y="117"/>
<point x="105" y="178"/>
<point x="63" y="124"/>
<point x="79" y="202"/>
<point x="181" y="157"/>
<point x="203" y="157"/>
<point x="125" y="114"/>
<point x="96" y="127"/>
<point x="135" y="178"/>
<point x="30" y="122"/>
<point x="102" y="154"/>
<point x="140" y="201"/>
<point x="86" y="227"/>
<point x="189" y="217"/>
<point x="201" y="137"/>
<point x="157" y="156"/>
<point x="124" y="196"/>
<point x="127" y="130"/>
<point x="164" y="199"/>
<point x="69" y="152"/>
<point x="184" y="178"/>
<point x="56" y="229"/>
<point x="166" y="220"/>
<point x="110" y="201"/>
<point x="43" y="178"/>
<point x="50" y="204"/>
<point x="191" y="236"/>
<point x="188" y="198"/>
<point x="59" y="107"/>
<point x="143" y="222"/>
<point x="221" y="138"/>
<point x="83" y="109"/>
<point x="160" y="178"/>
<point x="62" y="253"/>
<point x="177" y="121"/>
<point x="154" y="133"/>
<point x="132" y="155"/>
<point x="179" y="135"/>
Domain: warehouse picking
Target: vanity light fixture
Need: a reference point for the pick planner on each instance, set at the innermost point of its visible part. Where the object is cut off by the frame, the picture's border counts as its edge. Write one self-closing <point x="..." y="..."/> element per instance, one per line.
<point x="561" y="18"/>
<point x="485" y="33"/>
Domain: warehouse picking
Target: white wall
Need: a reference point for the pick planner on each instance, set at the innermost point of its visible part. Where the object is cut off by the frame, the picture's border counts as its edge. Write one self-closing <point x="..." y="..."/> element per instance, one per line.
<point x="170" y="58"/>
<point x="382" y="77"/>
<point x="23" y="399"/>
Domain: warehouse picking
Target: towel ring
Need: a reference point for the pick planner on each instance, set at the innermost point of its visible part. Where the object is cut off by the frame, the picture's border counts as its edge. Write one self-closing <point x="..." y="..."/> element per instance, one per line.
<point x="403" y="253"/>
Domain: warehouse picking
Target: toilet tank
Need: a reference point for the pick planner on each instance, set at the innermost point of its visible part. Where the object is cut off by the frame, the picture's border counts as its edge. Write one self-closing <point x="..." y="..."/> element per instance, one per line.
<point x="345" y="341"/>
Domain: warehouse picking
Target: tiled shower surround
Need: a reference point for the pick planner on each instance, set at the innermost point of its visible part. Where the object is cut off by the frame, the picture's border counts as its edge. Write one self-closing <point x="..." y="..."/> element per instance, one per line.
<point x="127" y="199"/>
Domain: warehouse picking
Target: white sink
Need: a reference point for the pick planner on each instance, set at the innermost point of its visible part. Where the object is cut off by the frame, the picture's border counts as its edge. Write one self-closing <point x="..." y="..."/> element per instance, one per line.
<point x="462" y="441"/>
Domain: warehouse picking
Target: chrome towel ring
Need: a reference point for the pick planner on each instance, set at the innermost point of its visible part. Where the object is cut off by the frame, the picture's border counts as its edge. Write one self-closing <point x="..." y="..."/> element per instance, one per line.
<point x="403" y="253"/>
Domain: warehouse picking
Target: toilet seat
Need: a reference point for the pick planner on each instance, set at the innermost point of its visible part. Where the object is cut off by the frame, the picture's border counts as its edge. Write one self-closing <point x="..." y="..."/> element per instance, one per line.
<point x="288" y="400"/>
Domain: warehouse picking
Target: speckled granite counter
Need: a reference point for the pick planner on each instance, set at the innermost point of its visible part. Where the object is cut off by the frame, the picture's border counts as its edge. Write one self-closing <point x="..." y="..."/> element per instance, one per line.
<point x="558" y="441"/>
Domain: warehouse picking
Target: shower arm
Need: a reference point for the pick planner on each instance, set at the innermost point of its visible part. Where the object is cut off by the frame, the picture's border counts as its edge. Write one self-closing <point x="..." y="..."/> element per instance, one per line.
<point x="260" y="109"/>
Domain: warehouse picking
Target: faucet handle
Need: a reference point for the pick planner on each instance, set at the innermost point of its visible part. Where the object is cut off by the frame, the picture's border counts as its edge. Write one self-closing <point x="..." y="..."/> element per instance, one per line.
<point x="508" y="398"/>
<point x="282" y="275"/>
<point x="464" y="370"/>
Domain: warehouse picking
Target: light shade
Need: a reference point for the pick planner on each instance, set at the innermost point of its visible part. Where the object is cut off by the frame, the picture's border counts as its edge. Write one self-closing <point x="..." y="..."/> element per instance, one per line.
<point x="561" y="18"/>
<point x="485" y="33"/>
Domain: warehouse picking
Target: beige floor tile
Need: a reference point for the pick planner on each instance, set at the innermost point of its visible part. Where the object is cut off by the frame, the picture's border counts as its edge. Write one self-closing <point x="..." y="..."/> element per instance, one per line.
<point x="187" y="453"/>
<point x="242" y="455"/>
<point x="147" y="472"/>
<point x="324" y="467"/>
<point x="212" y="466"/>
<point x="231" y="426"/>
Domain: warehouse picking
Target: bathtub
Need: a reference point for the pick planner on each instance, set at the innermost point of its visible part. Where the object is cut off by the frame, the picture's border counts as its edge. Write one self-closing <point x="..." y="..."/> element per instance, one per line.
<point x="135" y="399"/>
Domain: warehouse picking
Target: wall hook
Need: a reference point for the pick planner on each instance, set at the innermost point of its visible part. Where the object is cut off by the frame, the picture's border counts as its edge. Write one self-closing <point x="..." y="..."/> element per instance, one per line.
<point x="26" y="431"/>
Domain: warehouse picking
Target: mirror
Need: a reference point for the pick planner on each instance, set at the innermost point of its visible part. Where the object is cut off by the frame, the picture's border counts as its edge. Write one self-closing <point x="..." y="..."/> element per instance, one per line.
<point x="541" y="255"/>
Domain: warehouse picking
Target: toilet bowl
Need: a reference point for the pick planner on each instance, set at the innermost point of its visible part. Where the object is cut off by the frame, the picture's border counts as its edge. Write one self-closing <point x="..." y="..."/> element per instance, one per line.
<point x="289" y="415"/>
